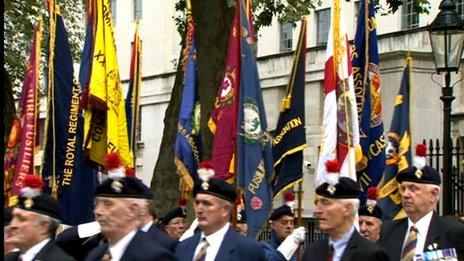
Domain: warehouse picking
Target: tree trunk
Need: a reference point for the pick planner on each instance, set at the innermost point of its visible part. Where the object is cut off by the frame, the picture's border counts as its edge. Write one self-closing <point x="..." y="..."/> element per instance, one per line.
<point x="213" y="21"/>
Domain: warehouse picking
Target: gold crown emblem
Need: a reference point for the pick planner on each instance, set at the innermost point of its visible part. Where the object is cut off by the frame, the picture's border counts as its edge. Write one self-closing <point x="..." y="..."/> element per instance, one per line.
<point x="370" y="209"/>
<point x="28" y="203"/>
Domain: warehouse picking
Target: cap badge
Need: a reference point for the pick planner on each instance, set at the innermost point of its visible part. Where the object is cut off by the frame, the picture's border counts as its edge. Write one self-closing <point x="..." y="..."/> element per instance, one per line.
<point x="28" y="203"/>
<point x="370" y="209"/>
<point x="117" y="186"/>
<point x="418" y="173"/>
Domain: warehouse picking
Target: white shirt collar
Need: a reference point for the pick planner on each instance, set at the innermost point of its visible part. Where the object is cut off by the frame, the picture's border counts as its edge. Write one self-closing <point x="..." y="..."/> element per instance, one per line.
<point x="147" y="226"/>
<point x="33" y="251"/>
<point x="117" y="250"/>
<point x="422" y="226"/>
<point x="214" y="240"/>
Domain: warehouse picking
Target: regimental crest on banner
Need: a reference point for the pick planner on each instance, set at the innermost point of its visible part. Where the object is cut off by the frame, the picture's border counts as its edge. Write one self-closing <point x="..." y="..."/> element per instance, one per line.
<point x="227" y="88"/>
<point x="251" y="124"/>
<point x="376" y="98"/>
<point x="196" y="118"/>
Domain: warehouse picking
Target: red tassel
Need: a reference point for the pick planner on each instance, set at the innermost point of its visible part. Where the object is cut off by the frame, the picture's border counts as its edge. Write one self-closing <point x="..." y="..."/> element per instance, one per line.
<point x="332" y="166"/>
<point x="421" y="150"/>
<point x="130" y="172"/>
<point x="112" y="160"/>
<point x="372" y="193"/>
<point x="182" y="202"/>
<point x="33" y="181"/>
<point x="206" y="165"/>
<point x="289" y="196"/>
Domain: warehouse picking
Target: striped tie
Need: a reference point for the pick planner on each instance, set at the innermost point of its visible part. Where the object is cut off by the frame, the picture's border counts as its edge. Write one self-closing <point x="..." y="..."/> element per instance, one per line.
<point x="202" y="253"/>
<point x="410" y="245"/>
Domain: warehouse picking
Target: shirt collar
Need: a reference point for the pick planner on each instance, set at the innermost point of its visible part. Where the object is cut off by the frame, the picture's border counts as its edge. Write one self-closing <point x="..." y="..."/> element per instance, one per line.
<point x="343" y="240"/>
<point x="117" y="250"/>
<point x="147" y="226"/>
<point x="32" y="252"/>
<point x="215" y="239"/>
<point x="422" y="224"/>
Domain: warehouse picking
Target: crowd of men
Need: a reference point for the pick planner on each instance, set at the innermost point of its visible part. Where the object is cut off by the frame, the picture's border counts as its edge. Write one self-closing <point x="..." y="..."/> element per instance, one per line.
<point x="126" y="227"/>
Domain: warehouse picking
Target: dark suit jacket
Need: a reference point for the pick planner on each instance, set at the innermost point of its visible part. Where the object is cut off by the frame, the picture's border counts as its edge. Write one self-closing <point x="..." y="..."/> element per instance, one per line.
<point x="233" y="247"/>
<point x="161" y="238"/>
<point x="357" y="249"/>
<point x="445" y="232"/>
<point x="75" y="246"/>
<point x="50" y="252"/>
<point x="139" y="248"/>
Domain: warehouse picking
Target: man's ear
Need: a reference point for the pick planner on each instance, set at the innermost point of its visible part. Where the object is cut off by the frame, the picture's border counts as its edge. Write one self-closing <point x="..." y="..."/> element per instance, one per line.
<point x="348" y="209"/>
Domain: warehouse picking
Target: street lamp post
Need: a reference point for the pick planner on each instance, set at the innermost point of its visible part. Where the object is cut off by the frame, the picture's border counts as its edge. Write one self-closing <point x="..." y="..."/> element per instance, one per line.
<point x="447" y="38"/>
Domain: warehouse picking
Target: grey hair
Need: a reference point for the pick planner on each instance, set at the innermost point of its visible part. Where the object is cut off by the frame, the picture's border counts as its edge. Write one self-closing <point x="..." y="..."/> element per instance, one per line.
<point x="53" y="223"/>
<point x="354" y="202"/>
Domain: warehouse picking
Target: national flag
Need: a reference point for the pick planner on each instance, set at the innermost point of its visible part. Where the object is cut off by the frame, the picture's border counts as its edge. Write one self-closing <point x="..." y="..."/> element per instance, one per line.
<point x="290" y="137"/>
<point x="340" y="137"/>
<point x="28" y="109"/>
<point x="367" y="85"/>
<point x="64" y="172"/>
<point x="188" y="147"/>
<point x="105" y="117"/>
<point x="223" y="121"/>
<point x="398" y="150"/>
<point x="254" y="152"/>
<point x="132" y="102"/>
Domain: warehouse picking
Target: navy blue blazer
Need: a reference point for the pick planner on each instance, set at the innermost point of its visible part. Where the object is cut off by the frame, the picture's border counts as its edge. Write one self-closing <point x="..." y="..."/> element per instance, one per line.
<point x="161" y="238"/>
<point x="442" y="233"/>
<point x="233" y="247"/>
<point x="141" y="247"/>
<point x="357" y="249"/>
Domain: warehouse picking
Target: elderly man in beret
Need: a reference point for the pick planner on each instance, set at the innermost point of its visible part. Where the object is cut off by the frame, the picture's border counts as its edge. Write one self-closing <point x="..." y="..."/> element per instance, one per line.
<point x="175" y="221"/>
<point x="370" y="217"/>
<point x="336" y="206"/>
<point x="422" y="231"/>
<point x="284" y="238"/>
<point x="34" y="221"/>
<point x="119" y="201"/>
<point x="214" y="200"/>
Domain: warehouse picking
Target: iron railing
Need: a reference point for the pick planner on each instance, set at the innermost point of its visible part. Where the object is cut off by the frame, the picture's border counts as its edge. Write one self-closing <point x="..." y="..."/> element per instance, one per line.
<point x="435" y="160"/>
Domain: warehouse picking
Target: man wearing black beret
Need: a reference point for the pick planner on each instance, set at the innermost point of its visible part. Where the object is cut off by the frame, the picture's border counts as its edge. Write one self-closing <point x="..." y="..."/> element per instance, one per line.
<point x="35" y="219"/>
<point x="370" y="217"/>
<point x="422" y="230"/>
<point x="175" y="221"/>
<point x="119" y="201"/>
<point x="336" y="206"/>
<point x="284" y="238"/>
<point x="214" y="200"/>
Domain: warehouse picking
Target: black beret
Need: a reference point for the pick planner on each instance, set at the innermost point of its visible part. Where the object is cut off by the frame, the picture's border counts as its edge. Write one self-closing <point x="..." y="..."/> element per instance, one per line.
<point x="241" y="217"/>
<point x="283" y="210"/>
<point x="370" y="210"/>
<point x="216" y="187"/>
<point x="344" y="189"/>
<point x="126" y="187"/>
<point x="42" y="204"/>
<point x="426" y="175"/>
<point x="175" y="213"/>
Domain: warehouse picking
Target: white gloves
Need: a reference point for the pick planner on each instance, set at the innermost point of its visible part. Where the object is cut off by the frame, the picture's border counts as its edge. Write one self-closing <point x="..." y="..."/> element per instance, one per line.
<point x="291" y="243"/>
<point x="88" y="229"/>
<point x="190" y="231"/>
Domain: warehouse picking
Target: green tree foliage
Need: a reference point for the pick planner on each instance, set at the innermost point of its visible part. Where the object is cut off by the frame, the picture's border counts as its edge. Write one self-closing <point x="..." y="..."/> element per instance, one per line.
<point x="21" y="17"/>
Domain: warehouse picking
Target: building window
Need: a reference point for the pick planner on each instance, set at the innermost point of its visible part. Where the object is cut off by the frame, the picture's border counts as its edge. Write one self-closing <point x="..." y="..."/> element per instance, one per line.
<point x="460" y="8"/>
<point x="286" y="37"/>
<point x="410" y="19"/>
<point x="137" y="10"/>
<point x="323" y="25"/>
<point x="113" y="11"/>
